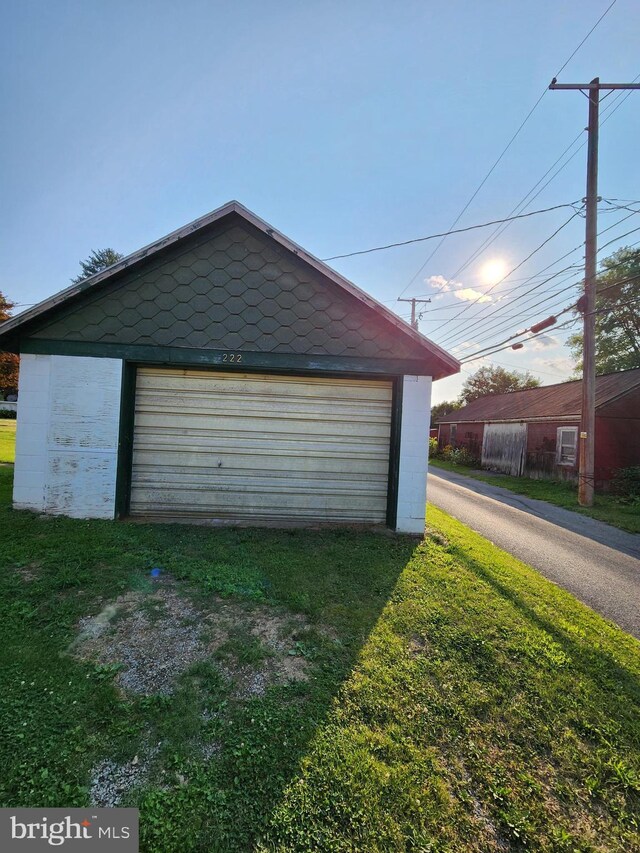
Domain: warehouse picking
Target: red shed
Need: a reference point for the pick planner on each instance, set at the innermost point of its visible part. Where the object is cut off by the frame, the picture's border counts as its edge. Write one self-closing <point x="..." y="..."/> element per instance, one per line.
<point x="535" y="431"/>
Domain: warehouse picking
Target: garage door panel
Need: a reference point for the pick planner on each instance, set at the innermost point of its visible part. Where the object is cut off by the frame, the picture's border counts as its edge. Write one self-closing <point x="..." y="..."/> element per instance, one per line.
<point x="287" y="464"/>
<point x="265" y="447"/>
<point x="279" y="421"/>
<point x="164" y="380"/>
<point x="248" y="443"/>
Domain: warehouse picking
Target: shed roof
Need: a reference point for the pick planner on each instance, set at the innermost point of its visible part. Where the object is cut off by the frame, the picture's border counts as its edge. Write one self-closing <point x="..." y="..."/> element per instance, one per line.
<point x="549" y="401"/>
<point x="32" y="320"/>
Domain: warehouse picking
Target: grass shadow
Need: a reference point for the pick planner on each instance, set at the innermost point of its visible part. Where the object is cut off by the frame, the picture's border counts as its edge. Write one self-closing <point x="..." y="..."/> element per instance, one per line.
<point x="66" y="716"/>
<point x="605" y="668"/>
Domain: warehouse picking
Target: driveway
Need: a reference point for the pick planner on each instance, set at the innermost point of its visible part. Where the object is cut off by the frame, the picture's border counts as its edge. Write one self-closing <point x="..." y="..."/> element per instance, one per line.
<point x="598" y="563"/>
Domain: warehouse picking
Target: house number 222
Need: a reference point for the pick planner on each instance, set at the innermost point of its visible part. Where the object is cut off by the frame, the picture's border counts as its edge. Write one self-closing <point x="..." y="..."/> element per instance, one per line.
<point x="232" y="357"/>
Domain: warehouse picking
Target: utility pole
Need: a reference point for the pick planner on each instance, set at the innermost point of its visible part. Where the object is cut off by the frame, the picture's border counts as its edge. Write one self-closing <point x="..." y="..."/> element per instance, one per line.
<point x="413" y="301"/>
<point x="586" y="474"/>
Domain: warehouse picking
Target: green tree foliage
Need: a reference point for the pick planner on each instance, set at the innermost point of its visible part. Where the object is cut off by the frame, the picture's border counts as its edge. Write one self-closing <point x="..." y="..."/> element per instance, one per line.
<point x="495" y="380"/>
<point x="9" y="362"/>
<point x="6" y="307"/>
<point x="442" y="409"/>
<point x="96" y="262"/>
<point x="618" y="321"/>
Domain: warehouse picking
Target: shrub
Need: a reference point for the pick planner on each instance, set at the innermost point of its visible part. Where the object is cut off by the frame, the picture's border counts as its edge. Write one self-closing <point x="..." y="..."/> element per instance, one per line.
<point x="8" y="414"/>
<point x="459" y="456"/>
<point x="626" y="484"/>
<point x="463" y="456"/>
<point x="433" y="448"/>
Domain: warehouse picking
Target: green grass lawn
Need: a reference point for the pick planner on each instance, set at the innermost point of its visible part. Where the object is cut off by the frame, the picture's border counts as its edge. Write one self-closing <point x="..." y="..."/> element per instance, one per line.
<point x="606" y="507"/>
<point x="454" y="700"/>
<point x="7" y="440"/>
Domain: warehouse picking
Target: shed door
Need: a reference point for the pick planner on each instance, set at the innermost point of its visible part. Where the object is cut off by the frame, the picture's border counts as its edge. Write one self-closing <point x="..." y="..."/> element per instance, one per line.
<point x="504" y="448"/>
<point x="260" y="447"/>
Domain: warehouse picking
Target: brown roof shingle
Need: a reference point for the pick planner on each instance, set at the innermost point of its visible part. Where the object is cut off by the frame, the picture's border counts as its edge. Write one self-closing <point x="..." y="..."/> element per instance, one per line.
<point x="548" y="401"/>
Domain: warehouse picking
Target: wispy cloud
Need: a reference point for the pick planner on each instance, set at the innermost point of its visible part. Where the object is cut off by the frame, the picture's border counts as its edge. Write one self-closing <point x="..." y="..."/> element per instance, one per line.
<point x="465" y="345"/>
<point x="563" y="365"/>
<point x="439" y="282"/>
<point x="468" y="294"/>
<point x="465" y="294"/>
<point x="544" y="342"/>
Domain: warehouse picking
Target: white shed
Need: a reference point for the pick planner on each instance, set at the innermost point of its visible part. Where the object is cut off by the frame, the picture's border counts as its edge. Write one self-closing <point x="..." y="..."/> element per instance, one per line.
<point x="223" y="374"/>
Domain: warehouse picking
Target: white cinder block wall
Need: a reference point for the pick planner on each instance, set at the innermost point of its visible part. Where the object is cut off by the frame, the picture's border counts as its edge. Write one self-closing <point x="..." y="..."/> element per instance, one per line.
<point x="414" y="452"/>
<point x="67" y="437"/>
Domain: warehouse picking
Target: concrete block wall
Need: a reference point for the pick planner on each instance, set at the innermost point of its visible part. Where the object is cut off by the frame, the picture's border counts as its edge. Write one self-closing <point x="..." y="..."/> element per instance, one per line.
<point x="414" y="453"/>
<point x="31" y="438"/>
<point x="67" y="437"/>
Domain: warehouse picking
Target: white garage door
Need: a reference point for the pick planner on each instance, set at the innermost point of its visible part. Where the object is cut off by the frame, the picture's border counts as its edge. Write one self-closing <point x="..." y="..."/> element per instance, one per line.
<point x="260" y="447"/>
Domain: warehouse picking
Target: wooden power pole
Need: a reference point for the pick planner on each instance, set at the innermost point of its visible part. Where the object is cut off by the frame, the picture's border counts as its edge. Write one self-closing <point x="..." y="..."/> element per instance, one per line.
<point x="586" y="475"/>
<point x="413" y="301"/>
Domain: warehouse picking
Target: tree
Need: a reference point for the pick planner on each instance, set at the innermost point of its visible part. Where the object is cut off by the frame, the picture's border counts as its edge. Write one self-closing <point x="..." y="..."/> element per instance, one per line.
<point x="442" y="409"/>
<point x="495" y="380"/>
<point x="9" y="362"/>
<point x="617" y="338"/>
<point x="96" y="262"/>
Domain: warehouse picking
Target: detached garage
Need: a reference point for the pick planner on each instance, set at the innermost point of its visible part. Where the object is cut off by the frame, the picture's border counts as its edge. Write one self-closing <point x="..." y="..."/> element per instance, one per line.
<point x="223" y="374"/>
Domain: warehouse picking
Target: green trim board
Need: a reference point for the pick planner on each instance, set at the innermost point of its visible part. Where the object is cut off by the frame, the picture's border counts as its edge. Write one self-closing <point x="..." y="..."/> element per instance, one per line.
<point x="127" y="423"/>
<point x="241" y="360"/>
<point x="125" y="439"/>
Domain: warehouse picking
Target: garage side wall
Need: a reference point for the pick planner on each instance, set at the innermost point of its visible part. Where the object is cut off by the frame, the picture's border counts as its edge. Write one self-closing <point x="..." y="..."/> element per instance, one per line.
<point x="67" y="435"/>
<point x="414" y="451"/>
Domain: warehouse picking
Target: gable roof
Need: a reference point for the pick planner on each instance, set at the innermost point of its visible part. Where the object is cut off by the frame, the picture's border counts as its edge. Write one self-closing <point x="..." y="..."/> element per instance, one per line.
<point x="549" y="401"/>
<point x="33" y="319"/>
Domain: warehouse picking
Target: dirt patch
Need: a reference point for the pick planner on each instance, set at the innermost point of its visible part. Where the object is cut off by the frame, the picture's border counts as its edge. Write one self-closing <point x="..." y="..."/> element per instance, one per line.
<point x="418" y="646"/>
<point x="436" y="536"/>
<point x="155" y="636"/>
<point x="30" y="572"/>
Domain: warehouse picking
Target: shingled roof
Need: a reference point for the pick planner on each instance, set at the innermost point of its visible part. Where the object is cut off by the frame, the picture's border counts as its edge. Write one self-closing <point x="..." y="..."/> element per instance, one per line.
<point x="204" y="276"/>
<point x="549" y="401"/>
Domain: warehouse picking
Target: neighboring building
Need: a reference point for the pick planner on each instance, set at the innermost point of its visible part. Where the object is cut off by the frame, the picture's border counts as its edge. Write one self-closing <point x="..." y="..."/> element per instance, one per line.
<point x="223" y="374"/>
<point x="535" y="431"/>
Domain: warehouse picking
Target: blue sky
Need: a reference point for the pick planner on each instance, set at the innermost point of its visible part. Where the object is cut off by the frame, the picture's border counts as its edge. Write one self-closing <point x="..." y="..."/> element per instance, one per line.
<point x="345" y="125"/>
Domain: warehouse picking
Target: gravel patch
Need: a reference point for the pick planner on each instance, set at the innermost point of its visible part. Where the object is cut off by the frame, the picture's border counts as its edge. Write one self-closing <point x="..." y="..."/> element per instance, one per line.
<point x="110" y="781"/>
<point x="157" y="635"/>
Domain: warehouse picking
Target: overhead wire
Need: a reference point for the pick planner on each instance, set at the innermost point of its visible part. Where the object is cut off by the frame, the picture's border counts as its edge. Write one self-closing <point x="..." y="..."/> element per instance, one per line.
<point x="530" y="308"/>
<point x="572" y="307"/>
<point x="538" y="248"/>
<point x="533" y="307"/>
<point x="482" y="320"/>
<point x="529" y="279"/>
<point x="508" y="146"/>
<point x="446" y="233"/>
<point x="526" y="201"/>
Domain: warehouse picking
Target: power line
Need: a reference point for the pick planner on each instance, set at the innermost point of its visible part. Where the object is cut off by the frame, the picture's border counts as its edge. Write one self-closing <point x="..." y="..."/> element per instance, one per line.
<point x="447" y="233"/>
<point x="606" y="11"/>
<point x="574" y="305"/>
<point x="568" y="323"/>
<point x="505" y="321"/>
<point x="553" y="263"/>
<point x="501" y="348"/>
<point x="526" y="201"/>
<point x="528" y="258"/>
<point x="506" y="148"/>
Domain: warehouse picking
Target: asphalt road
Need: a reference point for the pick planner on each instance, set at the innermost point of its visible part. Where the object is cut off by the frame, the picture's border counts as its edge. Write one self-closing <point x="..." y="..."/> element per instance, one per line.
<point x="598" y="563"/>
